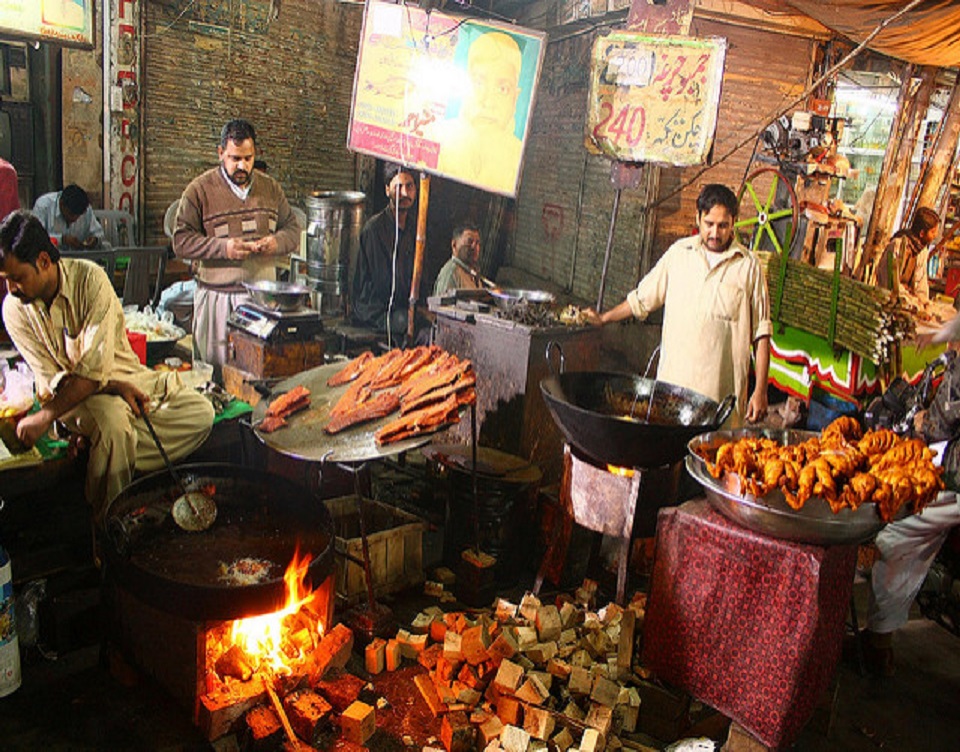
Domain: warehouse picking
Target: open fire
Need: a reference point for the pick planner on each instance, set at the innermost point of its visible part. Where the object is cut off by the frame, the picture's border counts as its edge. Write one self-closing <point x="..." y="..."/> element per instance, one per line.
<point x="280" y="643"/>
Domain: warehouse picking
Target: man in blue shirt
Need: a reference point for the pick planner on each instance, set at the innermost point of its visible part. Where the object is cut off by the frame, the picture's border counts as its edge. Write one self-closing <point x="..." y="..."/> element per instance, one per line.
<point x="68" y="218"/>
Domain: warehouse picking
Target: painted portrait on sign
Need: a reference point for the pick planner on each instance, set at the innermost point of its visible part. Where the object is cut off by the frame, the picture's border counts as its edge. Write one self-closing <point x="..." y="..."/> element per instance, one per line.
<point x="481" y="139"/>
<point x="449" y="95"/>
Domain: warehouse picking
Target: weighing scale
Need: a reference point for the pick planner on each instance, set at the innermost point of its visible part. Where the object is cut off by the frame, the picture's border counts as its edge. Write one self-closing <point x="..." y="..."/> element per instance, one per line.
<point x="266" y="345"/>
<point x="276" y="326"/>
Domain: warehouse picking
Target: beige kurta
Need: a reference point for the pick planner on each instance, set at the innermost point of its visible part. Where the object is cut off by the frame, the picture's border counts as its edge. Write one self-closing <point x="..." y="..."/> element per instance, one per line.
<point x="711" y="318"/>
<point x="83" y="333"/>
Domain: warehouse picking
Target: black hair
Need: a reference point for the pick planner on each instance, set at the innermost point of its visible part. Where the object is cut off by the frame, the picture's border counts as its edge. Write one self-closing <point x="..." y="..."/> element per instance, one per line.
<point x="24" y="237"/>
<point x="75" y="199"/>
<point x="925" y="219"/>
<point x="237" y="131"/>
<point x="715" y="193"/>
<point x="464" y="226"/>
<point x="392" y="169"/>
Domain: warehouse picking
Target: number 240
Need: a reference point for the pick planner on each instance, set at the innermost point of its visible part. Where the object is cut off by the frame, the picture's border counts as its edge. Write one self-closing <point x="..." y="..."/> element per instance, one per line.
<point x="629" y="123"/>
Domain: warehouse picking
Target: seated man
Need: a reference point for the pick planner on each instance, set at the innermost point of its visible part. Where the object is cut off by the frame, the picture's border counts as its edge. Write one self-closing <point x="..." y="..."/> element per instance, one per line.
<point x="462" y="271"/>
<point x="902" y="265"/>
<point x="68" y="218"/>
<point x="382" y="280"/>
<point x="909" y="546"/>
<point x="67" y="323"/>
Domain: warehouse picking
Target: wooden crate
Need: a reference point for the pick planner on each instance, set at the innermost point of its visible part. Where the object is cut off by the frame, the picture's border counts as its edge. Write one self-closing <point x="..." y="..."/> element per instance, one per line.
<point x="395" y="540"/>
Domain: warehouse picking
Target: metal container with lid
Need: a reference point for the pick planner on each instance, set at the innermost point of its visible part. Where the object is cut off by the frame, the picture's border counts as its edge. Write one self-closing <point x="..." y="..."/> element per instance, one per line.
<point x="334" y="221"/>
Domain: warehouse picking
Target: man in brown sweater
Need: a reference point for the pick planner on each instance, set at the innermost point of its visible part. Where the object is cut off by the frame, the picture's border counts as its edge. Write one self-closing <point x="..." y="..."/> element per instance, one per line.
<point x="238" y="225"/>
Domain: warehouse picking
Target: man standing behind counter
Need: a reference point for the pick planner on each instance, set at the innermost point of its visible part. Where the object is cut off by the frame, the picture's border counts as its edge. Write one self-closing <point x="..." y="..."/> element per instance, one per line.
<point x="67" y="323"/>
<point x="69" y="218"/>
<point x="716" y="307"/>
<point x="238" y="225"/>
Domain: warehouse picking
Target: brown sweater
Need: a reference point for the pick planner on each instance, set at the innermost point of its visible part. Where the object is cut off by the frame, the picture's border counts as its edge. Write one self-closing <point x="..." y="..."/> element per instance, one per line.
<point x="210" y="213"/>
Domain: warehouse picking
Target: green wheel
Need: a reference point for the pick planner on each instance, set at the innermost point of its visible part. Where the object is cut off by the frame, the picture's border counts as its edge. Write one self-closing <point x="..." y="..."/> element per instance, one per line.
<point x="769" y="211"/>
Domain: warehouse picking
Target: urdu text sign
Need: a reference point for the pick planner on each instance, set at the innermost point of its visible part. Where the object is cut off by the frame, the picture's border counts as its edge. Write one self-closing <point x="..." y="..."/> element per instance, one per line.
<point x="654" y="99"/>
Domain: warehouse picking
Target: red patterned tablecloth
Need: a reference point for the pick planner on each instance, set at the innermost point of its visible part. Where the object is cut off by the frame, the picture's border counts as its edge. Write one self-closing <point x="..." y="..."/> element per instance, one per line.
<point x="748" y="624"/>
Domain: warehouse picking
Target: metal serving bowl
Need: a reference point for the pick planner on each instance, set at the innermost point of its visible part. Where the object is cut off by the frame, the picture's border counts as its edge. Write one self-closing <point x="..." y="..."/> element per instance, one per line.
<point x="278" y="296"/>
<point x="771" y="515"/>
<point x="507" y="299"/>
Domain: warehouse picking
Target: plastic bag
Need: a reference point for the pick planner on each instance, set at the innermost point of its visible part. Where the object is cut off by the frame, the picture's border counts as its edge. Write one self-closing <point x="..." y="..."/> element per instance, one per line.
<point x="17" y="387"/>
<point x="28" y="603"/>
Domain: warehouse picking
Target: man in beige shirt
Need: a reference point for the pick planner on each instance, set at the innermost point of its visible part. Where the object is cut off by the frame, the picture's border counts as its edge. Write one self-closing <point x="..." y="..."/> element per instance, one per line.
<point x="716" y="309"/>
<point x="67" y="323"/>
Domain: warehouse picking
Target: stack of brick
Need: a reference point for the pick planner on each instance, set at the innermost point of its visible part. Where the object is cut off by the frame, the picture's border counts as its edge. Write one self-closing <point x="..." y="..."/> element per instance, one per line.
<point x="526" y="676"/>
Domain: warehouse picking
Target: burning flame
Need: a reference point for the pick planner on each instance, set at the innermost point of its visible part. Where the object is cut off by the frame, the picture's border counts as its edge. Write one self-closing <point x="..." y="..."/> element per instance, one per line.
<point x="623" y="472"/>
<point x="267" y="637"/>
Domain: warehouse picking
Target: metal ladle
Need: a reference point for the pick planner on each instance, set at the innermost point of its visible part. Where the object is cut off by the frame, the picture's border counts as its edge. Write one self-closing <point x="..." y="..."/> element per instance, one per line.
<point x="193" y="511"/>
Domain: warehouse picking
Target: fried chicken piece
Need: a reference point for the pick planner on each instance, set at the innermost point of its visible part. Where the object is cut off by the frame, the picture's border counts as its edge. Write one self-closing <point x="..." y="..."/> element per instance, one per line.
<point x="877" y="441"/>
<point x="909" y="451"/>
<point x="843" y="430"/>
<point x="859" y="489"/>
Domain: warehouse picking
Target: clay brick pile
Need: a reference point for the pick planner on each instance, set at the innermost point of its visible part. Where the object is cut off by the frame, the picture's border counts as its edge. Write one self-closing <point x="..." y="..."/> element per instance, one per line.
<point x="525" y="676"/>
<point x="295" y="711"/>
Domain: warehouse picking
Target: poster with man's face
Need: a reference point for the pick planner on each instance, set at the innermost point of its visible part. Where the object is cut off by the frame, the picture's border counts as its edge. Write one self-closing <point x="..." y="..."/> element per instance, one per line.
<point x="452" y="96"/>
<point x="67" y="22"/>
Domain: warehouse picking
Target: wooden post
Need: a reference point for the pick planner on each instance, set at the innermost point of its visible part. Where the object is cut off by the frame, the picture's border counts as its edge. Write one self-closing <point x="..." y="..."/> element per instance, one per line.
<point x="424" y="197"/>
<point x="941" y="160"/>
<point x="911" y="108"/>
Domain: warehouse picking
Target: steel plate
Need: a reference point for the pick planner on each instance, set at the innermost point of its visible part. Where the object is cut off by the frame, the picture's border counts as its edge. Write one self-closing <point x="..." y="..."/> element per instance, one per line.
<point x="771" y="515"/>
<point x="304" y="437"/>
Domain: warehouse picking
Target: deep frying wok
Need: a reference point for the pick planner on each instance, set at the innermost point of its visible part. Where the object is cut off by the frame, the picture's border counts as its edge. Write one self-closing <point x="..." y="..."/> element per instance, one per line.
<point x="593" y="409"/>
<point x="261" y="516"/>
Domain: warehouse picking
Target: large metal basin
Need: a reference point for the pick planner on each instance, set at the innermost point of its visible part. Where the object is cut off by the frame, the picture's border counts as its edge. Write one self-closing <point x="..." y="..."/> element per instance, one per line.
<point x="771" y="515"/>
<point x="260" y="515"/>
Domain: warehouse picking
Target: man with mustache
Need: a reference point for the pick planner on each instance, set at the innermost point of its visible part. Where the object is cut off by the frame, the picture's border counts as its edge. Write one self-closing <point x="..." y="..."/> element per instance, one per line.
<point x="67" y="323"/>
<point x="235" y="222"/>
<point x="716" y="309"/>
<point x="381" y="282"/>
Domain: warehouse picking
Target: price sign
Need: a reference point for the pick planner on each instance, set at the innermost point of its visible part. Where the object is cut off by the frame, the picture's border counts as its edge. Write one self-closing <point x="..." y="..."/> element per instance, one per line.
<point x="654" y="98"/>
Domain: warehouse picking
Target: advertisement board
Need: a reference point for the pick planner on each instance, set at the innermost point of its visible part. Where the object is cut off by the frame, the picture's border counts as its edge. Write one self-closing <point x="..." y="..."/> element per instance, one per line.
<point x="450" y="95"/>
<point x="67" y="22"/>
<point x="654" y="98"/>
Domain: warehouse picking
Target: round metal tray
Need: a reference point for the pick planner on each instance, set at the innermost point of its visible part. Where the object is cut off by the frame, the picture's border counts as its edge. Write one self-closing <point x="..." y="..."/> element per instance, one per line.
<point x="304" y="437"/>
<point x="771" y="515"/>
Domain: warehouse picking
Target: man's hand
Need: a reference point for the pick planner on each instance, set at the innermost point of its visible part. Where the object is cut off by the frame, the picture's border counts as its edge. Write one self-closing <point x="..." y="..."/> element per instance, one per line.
<point x="238" y="249"/>
<point x="137" y="400"/>
<point x="757" y="407"/>
<point x="71" y="241"/>
<point x="92" y="242"/>
<point x="592" y="317"/>
<point x="32" y="427"/>
<point x="267" y="245"/>
<point x="918" y="421"/>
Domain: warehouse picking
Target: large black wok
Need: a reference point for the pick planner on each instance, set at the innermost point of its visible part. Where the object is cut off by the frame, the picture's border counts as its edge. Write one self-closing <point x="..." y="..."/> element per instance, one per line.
<point x="260" y="516"/>
<point x="612" y="417"/>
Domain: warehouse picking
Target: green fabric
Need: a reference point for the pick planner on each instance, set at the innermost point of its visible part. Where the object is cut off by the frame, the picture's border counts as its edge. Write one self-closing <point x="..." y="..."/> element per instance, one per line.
<point x="235" y="409"/>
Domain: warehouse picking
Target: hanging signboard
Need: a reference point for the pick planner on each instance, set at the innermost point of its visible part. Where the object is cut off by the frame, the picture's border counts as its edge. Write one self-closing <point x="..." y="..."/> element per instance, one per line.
<point x="67" y="22"/>
<point x="452" y="96"/>
<point x="654" y="98"/>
